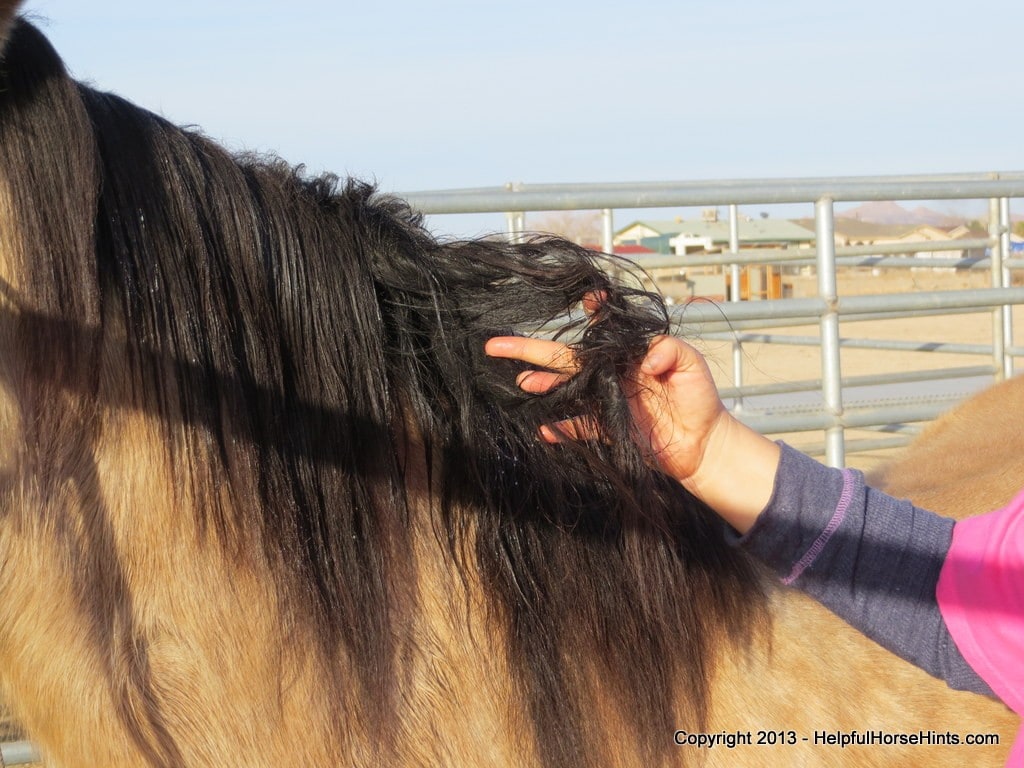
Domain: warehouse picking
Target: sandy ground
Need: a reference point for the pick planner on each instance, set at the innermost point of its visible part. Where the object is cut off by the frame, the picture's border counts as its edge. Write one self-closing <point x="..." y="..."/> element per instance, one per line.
<point x="763" y="363"/>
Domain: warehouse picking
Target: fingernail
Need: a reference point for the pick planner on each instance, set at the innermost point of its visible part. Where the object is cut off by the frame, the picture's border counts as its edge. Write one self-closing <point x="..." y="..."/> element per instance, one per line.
<point x="652" y="363"/>
<point x="549" y="435"/>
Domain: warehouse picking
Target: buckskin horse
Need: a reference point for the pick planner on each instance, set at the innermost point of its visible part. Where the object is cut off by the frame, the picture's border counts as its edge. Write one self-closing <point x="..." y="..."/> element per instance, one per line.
<point x="263" y="500"/>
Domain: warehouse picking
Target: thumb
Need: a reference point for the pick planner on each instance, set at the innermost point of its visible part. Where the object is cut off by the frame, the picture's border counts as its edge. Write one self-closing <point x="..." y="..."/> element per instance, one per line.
<point x="667" y="354"/>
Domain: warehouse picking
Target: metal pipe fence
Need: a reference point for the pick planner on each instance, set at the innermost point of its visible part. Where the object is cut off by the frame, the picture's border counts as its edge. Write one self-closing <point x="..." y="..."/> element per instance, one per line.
<point x="668" y="194"/>
<point x="830" y="311"/>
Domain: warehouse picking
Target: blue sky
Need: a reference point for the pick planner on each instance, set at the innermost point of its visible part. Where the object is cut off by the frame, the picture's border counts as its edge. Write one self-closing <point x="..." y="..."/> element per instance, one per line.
<point x="462" y="93"/>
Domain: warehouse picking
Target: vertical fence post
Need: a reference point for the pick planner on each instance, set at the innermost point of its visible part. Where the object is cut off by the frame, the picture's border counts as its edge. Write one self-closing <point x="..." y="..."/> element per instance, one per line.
<point x="515" y="222"/>
<point x="995" y="231"/>
<point x="831" y="375"/>
<point x="607" y="231"/>
<point x="734" y="295"/>
<point x="1007" y="310"/>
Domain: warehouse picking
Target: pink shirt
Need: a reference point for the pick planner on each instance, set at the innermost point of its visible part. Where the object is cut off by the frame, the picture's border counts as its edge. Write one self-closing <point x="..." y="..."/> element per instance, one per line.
<point x="981" y="598"/>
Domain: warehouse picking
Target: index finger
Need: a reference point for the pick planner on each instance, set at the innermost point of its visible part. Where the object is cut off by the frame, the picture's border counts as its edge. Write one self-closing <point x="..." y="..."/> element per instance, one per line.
<point x="552" y="355"/>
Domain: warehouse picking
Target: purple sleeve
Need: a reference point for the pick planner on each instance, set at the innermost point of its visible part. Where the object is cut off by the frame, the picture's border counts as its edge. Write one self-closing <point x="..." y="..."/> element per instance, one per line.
<point x="869" y="558"/>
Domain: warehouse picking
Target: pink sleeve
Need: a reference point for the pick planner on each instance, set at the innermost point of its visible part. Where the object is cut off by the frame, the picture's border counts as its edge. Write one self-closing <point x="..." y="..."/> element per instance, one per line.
<point x="981" y="598"/>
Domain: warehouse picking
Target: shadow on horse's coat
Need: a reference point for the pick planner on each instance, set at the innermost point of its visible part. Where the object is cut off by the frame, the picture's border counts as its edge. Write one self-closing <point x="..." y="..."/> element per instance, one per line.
<point x="265" y="501"/>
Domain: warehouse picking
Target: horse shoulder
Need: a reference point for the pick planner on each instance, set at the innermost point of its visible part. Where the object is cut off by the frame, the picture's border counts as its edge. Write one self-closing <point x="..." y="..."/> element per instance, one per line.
<point x="815" y="678"/>
<point x="969" y="461"/>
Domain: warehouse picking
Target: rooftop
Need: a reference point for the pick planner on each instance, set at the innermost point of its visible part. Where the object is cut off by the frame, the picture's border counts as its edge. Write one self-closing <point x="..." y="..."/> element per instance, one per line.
<point x="750" y="231"/>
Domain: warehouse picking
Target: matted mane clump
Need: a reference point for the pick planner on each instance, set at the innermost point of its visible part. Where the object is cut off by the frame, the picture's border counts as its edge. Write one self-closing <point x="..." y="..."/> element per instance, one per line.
<point x="303" y="346"/>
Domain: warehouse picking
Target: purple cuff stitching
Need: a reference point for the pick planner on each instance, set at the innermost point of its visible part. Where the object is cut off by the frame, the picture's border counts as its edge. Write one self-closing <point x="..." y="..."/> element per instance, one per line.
<point x="819" y="544"/>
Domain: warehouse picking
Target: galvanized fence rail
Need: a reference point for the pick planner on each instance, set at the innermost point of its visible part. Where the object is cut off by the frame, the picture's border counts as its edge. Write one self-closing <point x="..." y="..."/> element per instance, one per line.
<point x="735" y="320"/>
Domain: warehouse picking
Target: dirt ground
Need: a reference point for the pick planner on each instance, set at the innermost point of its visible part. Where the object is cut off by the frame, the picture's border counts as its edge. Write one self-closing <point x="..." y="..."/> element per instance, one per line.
<point x="763" y="363"/>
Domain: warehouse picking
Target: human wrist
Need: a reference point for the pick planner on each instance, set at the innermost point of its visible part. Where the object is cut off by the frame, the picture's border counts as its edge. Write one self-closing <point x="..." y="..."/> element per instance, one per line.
<point x="736" y="474"/>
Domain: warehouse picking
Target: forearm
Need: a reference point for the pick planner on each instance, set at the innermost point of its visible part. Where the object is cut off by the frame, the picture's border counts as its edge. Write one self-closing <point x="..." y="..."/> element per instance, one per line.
<point x="871" y="559"/>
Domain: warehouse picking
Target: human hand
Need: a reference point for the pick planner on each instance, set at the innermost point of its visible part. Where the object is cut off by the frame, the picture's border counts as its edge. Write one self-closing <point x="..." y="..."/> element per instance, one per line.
<point x="673" y="399"/>
<point x="681" y="423"/>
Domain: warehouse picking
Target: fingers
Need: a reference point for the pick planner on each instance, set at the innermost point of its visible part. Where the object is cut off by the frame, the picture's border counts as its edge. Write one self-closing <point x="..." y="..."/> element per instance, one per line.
<point x="547" y="354"/>
<point x="539" y="382"/>
<point x="593" y="301"/>
<point x="666" y="354"/>
<point x="569" y="429"/>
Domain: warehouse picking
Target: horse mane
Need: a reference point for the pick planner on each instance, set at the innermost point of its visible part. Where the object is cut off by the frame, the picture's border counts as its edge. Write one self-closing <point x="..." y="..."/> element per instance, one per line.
<point x="7" y="9"/>
<point x="303" y="344"/>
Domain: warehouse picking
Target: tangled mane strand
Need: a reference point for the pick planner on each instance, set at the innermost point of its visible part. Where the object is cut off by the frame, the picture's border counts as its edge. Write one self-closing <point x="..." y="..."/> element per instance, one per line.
<point x="295" y="340"/>
<point x="651" y="587"/>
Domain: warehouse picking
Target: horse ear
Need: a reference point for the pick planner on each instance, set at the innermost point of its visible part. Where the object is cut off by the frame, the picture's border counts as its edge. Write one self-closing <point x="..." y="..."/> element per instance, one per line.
<point x="7" y="9"/>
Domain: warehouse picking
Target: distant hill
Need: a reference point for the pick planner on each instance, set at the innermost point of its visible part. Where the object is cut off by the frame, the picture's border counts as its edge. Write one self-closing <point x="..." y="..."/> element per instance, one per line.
<point x="894" y="213"/>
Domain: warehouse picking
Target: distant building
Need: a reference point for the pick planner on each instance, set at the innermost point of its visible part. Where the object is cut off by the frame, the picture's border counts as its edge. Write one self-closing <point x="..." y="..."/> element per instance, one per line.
<point x="710" y="235"/>
<point x="682" y="237"/>
<point x="856" y="232"/>
<point x="622" y="249"/>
